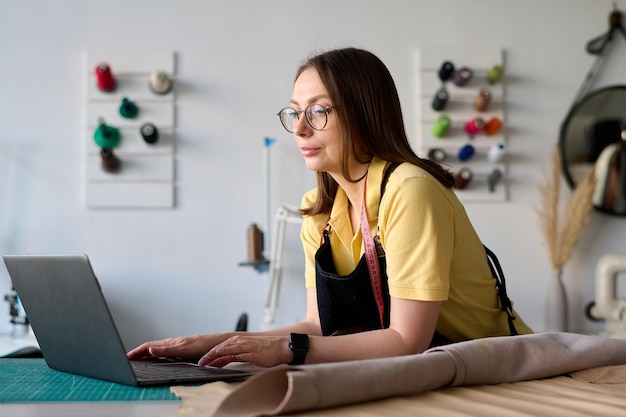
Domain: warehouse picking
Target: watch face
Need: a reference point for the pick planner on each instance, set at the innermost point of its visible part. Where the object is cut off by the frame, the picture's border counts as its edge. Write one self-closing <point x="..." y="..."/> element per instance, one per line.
<point x="299" y="341"/>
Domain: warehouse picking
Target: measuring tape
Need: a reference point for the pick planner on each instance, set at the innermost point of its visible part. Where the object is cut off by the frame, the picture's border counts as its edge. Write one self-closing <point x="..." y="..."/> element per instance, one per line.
<point x="372" y="262"/>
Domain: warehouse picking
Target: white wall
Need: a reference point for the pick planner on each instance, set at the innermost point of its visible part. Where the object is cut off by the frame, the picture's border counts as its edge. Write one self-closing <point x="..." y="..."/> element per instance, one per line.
<point x="169" y="272"/>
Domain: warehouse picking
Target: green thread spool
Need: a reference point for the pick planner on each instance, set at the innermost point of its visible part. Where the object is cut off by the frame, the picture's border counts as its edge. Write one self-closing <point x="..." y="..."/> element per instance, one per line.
<point x="107" y="136"/>
<point x="128" y="109"/>
<point x="441" y="126"/>
<point x="495" y="74"/>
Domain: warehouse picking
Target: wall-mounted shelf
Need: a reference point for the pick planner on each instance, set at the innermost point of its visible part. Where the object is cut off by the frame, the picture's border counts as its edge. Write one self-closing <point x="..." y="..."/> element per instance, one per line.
<point x="146" y="178"/>
<point x="459" y="108"/>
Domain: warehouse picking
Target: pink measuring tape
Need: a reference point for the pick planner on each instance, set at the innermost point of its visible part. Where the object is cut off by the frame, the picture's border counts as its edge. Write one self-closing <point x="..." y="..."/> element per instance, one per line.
<point x="372" y="262"/>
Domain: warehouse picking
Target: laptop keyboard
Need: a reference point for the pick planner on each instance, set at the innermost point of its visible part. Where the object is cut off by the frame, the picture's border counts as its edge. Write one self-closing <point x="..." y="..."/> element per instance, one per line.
<point x="148" y="370"/>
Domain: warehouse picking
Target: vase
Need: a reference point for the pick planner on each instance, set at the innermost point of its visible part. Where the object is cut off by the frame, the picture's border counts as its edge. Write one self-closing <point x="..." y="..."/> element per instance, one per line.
<point x="556" y="304"/>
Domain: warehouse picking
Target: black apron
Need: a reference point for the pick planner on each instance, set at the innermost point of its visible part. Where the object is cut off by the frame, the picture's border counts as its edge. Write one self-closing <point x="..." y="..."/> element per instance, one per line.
<point x="346" y="303"/>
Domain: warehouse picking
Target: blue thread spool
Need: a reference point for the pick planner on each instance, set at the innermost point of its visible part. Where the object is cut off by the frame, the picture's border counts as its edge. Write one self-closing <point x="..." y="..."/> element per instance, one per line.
<point x="440" y="99"/>
<point x="466" y="152"/>
<point x="446" y="71"/>
<point x="441" y="126"/>
<point x="462" y="76"/>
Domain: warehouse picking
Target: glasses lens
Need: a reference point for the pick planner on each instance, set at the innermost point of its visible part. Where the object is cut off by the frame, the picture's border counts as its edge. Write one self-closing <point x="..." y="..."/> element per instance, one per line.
<point x="317" y="115"/>
<point x="287" y="118"/>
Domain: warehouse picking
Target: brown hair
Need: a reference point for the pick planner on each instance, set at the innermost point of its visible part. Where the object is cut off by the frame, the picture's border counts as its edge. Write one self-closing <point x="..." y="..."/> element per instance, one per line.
<point x="368" y="110"/>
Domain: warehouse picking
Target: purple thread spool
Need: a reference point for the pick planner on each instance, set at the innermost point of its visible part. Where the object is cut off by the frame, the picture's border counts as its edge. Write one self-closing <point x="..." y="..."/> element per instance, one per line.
<point x="462" y="76"/>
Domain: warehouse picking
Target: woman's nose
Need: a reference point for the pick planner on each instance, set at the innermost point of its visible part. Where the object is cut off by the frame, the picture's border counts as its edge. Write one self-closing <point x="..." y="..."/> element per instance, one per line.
<point x="301" y="126"/>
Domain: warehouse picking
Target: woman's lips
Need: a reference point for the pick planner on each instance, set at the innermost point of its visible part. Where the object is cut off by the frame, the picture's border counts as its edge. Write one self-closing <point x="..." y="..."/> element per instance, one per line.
<point x="306" y="151"/>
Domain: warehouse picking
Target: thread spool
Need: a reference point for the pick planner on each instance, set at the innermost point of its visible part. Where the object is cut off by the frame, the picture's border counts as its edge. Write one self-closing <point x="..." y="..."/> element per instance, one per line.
<point x="462" y="76"/>
<point x="483" y="98"/>
<point x="495" y="74"/>
<point x="446" y="71"/>
<point x="441" y="126"/>
<point x="160" y="82"/>
<point x="104" y="78"/>
<point x="106" y="136"/>
<point x="437" y="154"/>
<point x="255" y="243"/>
<point x="493" y="178"/>
<point x="128" y="109"/>
<point x="109" y="162"/>
<point x="497" y="152"/>
<point x="474" y="126"/>
<point x="493" y="126"/>
<point x="440" y="99"/>
<point x="463" y="178"/>
<point x="149" y="133"/>
<point x="466" y="152"/>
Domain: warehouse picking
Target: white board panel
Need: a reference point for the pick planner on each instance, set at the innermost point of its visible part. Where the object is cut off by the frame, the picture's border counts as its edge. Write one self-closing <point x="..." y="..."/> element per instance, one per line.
<point x="130" y="195"/>
<point x="460" y="109"/>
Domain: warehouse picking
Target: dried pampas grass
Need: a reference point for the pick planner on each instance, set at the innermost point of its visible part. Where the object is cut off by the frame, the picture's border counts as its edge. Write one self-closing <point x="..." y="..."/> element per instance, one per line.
<point x="562" y="237"/>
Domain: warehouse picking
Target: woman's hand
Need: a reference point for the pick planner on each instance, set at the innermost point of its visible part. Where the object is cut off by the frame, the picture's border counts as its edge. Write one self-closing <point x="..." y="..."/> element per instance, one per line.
<point x="265" y="351"/>
<point x="188" y="348"/>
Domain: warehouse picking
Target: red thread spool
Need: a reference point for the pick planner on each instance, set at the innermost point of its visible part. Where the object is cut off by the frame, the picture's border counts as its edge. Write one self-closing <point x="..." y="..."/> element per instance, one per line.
<point x="463" y="178"/>
<point x="493" y="126"/>
<point x="104" y="78"/>
<point x="474" y="126"/>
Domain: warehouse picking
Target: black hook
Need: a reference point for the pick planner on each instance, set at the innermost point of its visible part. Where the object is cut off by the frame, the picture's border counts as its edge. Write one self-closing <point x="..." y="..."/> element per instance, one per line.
<point x="596" y="45"/>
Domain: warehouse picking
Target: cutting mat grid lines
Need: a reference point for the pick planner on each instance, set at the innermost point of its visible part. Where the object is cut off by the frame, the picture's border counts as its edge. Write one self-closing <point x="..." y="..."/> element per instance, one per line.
<point x="30" y="380"/>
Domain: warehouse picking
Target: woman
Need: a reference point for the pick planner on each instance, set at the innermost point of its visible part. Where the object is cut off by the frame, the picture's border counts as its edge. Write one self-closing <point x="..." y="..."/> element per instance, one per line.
<point x="433" y="285"/>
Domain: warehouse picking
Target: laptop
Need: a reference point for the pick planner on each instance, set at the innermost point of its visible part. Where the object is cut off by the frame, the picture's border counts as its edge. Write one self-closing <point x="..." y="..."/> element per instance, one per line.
<point x="68" y="313"/>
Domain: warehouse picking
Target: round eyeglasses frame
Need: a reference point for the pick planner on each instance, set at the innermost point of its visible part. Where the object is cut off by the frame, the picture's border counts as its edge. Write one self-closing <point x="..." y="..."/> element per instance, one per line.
<point x="312" y="113"/>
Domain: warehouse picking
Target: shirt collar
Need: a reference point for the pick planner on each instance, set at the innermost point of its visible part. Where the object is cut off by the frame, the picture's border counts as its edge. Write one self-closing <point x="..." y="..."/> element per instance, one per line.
<point x="372" y="192"/>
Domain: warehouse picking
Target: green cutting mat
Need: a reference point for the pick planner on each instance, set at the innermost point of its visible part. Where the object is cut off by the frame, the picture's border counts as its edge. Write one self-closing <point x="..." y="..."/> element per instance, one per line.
<point x="23" y="380"/>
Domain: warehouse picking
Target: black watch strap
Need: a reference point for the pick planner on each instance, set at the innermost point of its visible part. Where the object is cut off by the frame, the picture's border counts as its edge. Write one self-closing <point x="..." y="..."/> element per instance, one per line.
<point x="299" y="345"/>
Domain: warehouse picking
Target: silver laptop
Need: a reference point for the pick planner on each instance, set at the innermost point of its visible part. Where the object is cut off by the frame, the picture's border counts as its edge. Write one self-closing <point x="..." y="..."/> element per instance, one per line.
<point x="75" y="330"/>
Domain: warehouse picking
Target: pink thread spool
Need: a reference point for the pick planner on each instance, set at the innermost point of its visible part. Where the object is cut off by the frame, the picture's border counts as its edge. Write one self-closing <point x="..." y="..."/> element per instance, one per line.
<point x="474" y="126"/>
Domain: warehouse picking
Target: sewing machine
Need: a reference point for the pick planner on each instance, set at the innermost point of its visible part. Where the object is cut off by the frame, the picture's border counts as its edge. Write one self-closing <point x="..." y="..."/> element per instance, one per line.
<point x="607" y="305"/>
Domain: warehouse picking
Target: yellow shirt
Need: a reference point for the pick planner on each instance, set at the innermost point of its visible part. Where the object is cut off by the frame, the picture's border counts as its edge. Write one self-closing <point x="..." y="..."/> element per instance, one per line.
<point x="432" y="250"/>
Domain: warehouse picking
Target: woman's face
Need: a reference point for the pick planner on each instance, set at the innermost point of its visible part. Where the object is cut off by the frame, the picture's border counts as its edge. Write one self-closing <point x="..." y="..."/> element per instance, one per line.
<point x="321" y="149"/>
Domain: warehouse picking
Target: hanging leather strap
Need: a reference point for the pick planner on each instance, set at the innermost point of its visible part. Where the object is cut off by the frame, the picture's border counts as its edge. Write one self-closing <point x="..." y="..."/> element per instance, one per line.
<point x="498" y="275"/>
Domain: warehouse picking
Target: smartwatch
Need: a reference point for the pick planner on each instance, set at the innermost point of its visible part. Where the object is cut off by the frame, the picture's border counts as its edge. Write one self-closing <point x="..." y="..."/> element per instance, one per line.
<point x="299" y="345"/>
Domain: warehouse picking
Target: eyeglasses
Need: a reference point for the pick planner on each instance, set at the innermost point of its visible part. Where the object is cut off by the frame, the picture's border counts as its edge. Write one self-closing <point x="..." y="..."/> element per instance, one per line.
<point x="316" y="116"/>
